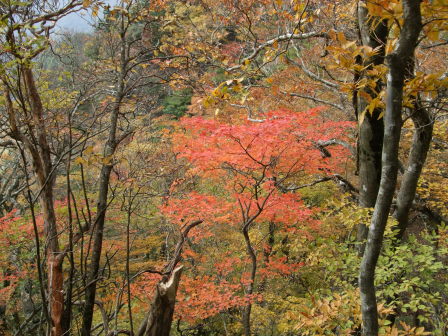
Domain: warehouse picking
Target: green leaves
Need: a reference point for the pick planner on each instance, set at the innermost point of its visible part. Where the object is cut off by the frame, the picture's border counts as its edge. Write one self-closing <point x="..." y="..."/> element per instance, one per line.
<point x="408" y="276"/>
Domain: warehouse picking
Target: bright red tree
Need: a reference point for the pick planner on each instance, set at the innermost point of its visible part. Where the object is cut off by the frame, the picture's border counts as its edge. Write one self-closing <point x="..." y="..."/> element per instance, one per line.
<point x="250" y="173"/>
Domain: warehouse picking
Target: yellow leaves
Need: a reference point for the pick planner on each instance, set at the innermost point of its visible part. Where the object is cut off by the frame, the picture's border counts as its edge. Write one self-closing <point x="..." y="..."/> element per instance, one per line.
<point x="95" y="10"/>
<point x="341" y="37"/>
<point x="406" y="330"/>
<point x="433" y="35"/>
<point x="378" y="71"/>
<point x="209" y="101"/>
<point x="216" y="92"/>
<point x="88" y="150"/>
<point x="433" y="184"/>
<point x="374" y="8"/>
<point x="234" y="81"/>
<point x="90" y="158"/>
<point x="426" y="83"/>
<point x="373" y="103"/>
<point x="237" y="87"/>
<point x="348" y="45"/>
<point x="338" y="311"/>
<point x="80" y="160"/>
<point x="222" y="92"/>
<point x="385" y="9"/>
<point x="337" y="36"/>
<point x="107" y="160"/>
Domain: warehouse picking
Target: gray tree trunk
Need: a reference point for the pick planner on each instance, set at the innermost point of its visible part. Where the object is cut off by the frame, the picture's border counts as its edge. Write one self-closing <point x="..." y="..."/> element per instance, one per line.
<point x="397" y="62"/>
<point x="371" y="130"/>
<point x="417" y="157"/>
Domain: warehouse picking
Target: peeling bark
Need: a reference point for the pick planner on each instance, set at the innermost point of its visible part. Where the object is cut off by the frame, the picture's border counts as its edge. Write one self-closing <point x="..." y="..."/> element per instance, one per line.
<point x="43" y="168"/>
<point x="160" y="316"/>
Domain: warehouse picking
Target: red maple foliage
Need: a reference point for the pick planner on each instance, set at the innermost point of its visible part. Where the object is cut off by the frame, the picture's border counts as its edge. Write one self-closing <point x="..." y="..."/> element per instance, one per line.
<point x="248" y="171"/>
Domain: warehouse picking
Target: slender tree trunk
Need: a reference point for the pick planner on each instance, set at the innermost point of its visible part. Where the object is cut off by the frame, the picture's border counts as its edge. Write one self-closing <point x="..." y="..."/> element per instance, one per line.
<point x="54" y="262"/>
<point x="68" y="310"/>
<point x="250" y="287"/>
<point x="406" y="194"/>
<point x="420" y="146"/>
<point x="267" y="254"/>
<point x="397" y="62"/>
<point x="371" y="129"/>
<point x="98" y="226"/>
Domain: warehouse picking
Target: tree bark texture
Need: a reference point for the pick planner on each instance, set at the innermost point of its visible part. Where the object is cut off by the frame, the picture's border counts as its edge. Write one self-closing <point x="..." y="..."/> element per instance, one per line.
<point x="371" y="130"/>
<point x="43" y="168"/>
<point x="397" y="62"/>
<point x="160" y="316"/>
<point x="420" y="146"/>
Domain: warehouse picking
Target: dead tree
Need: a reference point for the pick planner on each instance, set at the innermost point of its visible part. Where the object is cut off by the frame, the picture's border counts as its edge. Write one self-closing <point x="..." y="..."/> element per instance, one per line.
<point x="160" y="314"/>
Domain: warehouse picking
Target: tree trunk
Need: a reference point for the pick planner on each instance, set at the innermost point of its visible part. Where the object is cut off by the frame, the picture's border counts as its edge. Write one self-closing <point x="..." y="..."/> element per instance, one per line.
<point x="419" y="150"/>
<point x="98" y="226"/>
<point x="250" y="287"/>
<point x="43" y="168"/>
<point x="55" y="285"/>
<point x="397" y="62"/>
<point x="371" y="129"/>
<point x="160" y="316"/>
<point x="406" y="194"/>
<point x="54" y="262"/>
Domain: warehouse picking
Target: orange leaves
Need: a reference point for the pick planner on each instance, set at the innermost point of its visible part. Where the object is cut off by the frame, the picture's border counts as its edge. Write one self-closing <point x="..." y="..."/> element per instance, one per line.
<point x="287" y="209"/>
<point x="253" y="158"/>
<point x="200" y="298"/>
<point x="242" y="170"/>
<point x="384" y="8"/>
<point x="282" y="142"/>
<point x="278" y="266"/>
<point x="196" y="206"/>
<point x="15" y="238"/>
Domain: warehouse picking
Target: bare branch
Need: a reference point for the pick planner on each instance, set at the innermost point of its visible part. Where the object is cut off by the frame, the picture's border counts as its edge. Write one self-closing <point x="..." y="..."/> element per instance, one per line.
<point x="281" y="38"/>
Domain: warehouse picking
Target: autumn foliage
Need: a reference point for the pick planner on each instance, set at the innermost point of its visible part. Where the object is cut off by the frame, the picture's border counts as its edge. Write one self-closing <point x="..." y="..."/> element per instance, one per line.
<point x="238" y="145"/>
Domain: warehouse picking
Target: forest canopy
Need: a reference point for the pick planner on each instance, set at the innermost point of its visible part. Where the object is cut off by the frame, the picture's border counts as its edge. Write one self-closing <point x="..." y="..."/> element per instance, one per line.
<point x="241" y="167"/>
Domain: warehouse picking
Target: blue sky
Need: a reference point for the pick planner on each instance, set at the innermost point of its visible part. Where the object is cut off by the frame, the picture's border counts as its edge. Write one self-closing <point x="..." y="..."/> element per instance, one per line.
<point x="78" y="22"/>
<point x="82" y="20"/>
